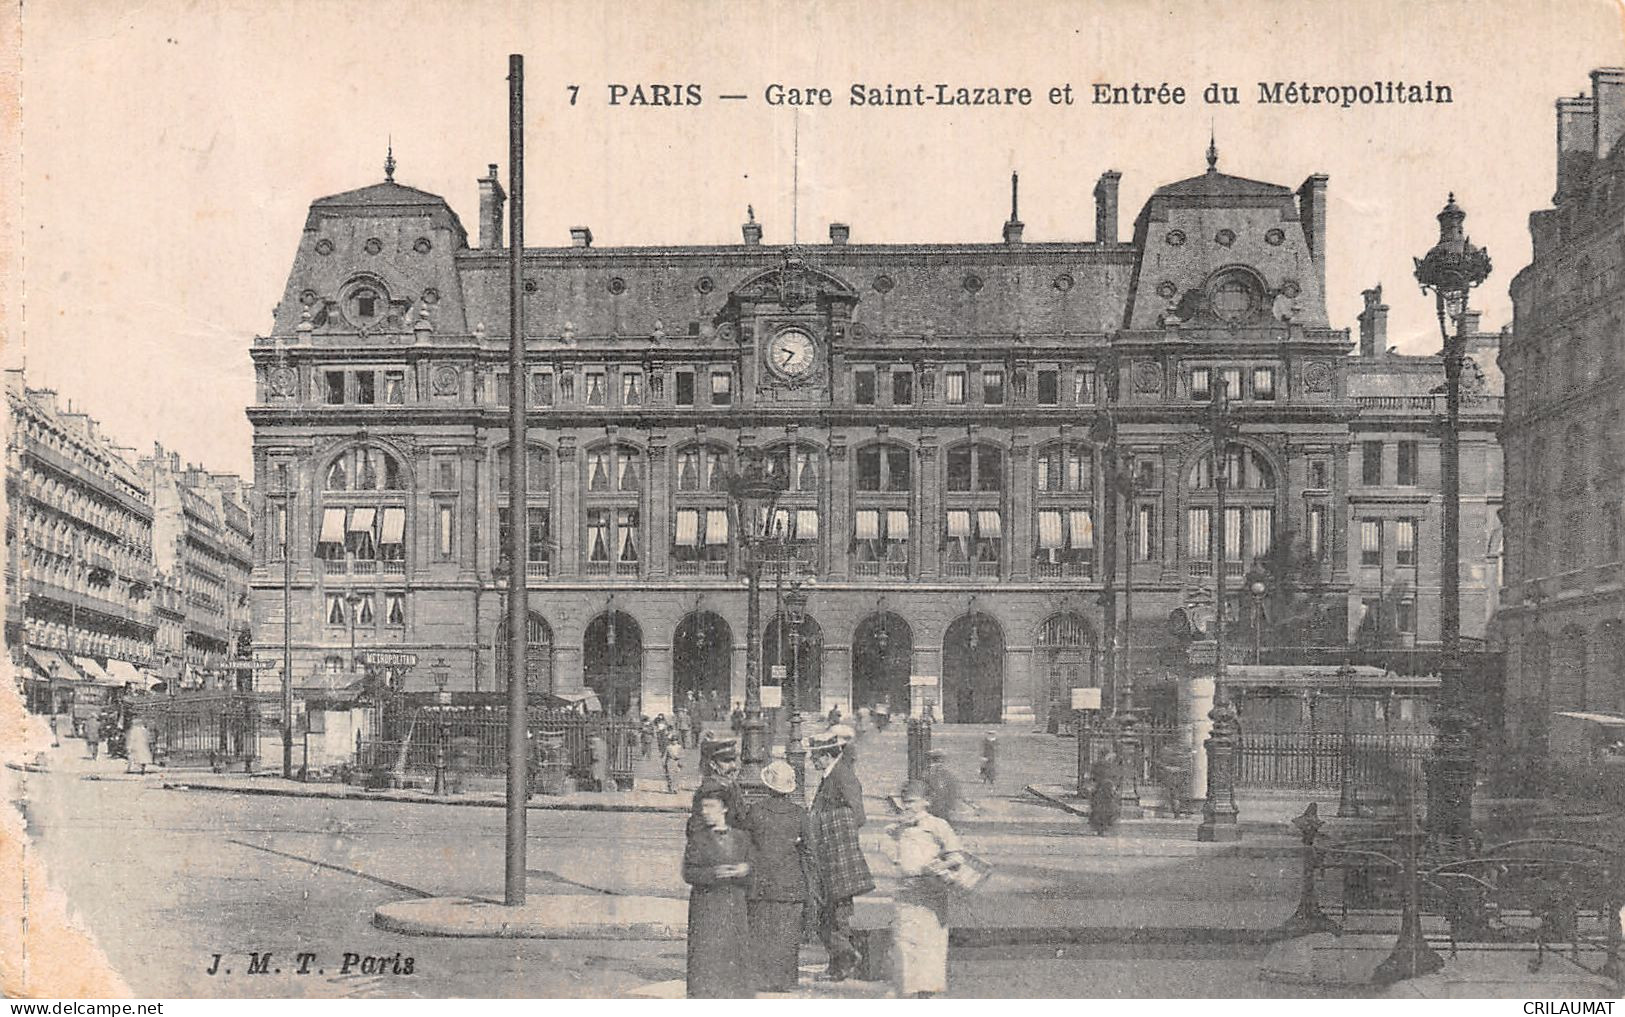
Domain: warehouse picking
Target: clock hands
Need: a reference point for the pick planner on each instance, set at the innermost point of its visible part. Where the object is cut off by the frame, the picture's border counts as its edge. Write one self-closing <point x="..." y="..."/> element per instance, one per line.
<point x="789" y="355"/>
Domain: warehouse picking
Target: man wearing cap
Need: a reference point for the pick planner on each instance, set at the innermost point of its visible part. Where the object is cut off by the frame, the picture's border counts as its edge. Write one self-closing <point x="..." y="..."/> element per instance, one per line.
<point x="719" y="776"/>
<point x="837" y="814"/>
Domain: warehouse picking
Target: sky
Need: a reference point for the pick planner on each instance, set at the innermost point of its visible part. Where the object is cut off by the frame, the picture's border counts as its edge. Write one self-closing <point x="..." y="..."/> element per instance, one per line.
<point x="170" y="150"/>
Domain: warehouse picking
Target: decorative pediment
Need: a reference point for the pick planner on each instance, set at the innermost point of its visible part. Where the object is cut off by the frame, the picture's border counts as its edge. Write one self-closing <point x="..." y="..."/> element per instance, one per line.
<point x="792" y="284"/>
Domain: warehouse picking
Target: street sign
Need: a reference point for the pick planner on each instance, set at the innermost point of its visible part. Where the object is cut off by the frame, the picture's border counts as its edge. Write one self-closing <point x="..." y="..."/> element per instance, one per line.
<point x="1085" y="699"/>
<point x="929" y="680"/>
<point x="778" y="672"/>
<point x="772" y="697"/>
<point x="388" y="658"/>
<point x="267" y="663"/>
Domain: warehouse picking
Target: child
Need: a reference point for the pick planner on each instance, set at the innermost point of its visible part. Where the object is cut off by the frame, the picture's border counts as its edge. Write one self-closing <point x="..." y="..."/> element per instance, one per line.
<point x="673" y="764"/>
<point x="925" y="849"/>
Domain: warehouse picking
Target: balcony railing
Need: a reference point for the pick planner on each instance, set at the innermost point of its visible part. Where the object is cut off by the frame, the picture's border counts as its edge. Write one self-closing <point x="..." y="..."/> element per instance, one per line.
<point x="613" y="569"/>
<point x="875" y="569"/>
<point x="537" y="569"/>
<point x="700" y="567"/>
<point x="394" y="568"/>
<point x="1063" y="570"/>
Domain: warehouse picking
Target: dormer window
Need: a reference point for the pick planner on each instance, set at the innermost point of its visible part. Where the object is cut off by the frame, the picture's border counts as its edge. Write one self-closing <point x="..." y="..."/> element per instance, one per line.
<point x="1234" y="297"/>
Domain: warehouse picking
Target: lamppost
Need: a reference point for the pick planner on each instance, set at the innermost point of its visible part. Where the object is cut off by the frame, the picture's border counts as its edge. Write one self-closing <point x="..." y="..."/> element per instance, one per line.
<point x="1348" y="804"/>
<point x="1258" y="589"/>
<point x="441" y="672"/>
<point x="795" y="753"/>
<point x="1219" y="812"/>
<point x="754" y="492"/>
<point x="353" y="601"/>
<point x="1451" y="269"/>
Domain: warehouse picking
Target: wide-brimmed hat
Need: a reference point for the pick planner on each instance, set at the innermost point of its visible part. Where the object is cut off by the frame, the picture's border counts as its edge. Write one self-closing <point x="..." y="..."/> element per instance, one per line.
<point x="842" y="732"/>
<point x="779" y="776"/>
<point x="823" y="743"/>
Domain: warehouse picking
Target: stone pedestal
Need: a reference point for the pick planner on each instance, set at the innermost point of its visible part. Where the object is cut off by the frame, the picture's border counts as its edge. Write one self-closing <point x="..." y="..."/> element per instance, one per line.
<point x="1195" y="703"/>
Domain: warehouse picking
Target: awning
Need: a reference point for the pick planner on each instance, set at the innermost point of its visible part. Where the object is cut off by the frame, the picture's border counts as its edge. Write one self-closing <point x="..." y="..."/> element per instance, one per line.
<point x="53" y="665"/>
<point x="361" y="520"/>
<point x="688" y="528"/>
<point x="716" y="527"/>
<point x="896" y="525"/>
<point x="988" y="524"/>
<point x="1049" y="529"/>
<point x="867" y="525"/>
<point x="394" y="526"/>
<point x="123" y="671"/>
<point x="1083" y="530"/>
<point x="958" y="523"/>
<point x="332" y="526"/>
<point x="806" y="524"/>
<point x="94" y="671"/>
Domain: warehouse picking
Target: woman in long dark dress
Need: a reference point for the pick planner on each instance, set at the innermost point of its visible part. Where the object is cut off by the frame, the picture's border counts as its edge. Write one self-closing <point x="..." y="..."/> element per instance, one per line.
<point x="716" y="864"/>
<point x="780" y="840"/>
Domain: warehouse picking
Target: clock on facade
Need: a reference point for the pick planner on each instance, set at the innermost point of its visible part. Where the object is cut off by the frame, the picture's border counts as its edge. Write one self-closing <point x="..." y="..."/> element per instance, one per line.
<point x="791" y="353"/>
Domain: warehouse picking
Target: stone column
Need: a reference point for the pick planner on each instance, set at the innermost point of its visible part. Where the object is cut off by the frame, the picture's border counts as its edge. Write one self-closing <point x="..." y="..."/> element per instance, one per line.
<point x="1195" y="702"/>
<point x="658" y="525"/>
<point x="1018" y="514"/>
<point x="927" y="517"/>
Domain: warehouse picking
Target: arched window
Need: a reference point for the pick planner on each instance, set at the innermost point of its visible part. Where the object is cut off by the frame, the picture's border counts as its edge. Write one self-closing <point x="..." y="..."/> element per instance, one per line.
<point x="883" y="523"/>
<point x="974" y="507"/>
<point x="701" y="533"/>
<point x="538" y="510"/>
<point x="614" y="487"/>
<point x="1065" y="498"/>
<point x="363" y="514"/>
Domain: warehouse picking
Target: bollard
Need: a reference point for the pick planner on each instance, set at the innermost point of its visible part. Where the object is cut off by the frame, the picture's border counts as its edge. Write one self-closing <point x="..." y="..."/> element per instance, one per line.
<point x="1308" y="919"/>
<point x="1219" y="813"/>
<point x="1085" y="743"/>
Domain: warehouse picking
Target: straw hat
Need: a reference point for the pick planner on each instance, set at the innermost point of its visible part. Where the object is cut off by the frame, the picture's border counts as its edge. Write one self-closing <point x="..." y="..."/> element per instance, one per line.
<point x="778" y="776"/>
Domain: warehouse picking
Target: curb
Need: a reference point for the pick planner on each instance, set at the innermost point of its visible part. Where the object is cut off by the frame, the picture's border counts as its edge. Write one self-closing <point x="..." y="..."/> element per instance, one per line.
<point x="1258" y="825"/>
<point x="372" y="796"/>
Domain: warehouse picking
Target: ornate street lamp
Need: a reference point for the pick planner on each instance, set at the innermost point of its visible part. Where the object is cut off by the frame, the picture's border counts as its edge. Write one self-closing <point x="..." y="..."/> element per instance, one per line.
<point x="1219" y="812"/>
<point x="1451" y="270"/>
<point x="755" y="491"/>
<point x="1258" y="589"/>
<point x="795" y="753"/>
<point x="441" y="672"/>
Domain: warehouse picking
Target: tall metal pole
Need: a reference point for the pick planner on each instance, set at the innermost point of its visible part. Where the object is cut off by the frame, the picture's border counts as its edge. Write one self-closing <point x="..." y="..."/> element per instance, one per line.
<point x="518" y="600"/>
<point x="1219" y="812"/>
<point x="287" y="627"/>
<point x="1108" y="558"/>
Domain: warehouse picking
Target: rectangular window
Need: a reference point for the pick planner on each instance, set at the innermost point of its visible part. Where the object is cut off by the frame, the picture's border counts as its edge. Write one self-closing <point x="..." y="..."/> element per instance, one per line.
<point x="598" y="546"/>
<point x="537" y="536"/>
<point x="445" y="475"/>
<point x="863" y="386"/>
<point x="596" y="384"/>
<point x="1264" y="383"/>
<point x="626" y="526"/>
<point x="443" y="532"/>
<point x="395" y="387"/>
<point x="364" y="611"/>
<point x="1232" y="383"/>
<point x="897" y="469"/>
<point x="1200" y="383"/>
<point x="869" y="469"/>
<point x="337" y="609"/>
<point x="959" y="469"/>
<point x="1371" y="542"/>
<point x="1319" y="475"/>
<point x="684" y="394"/>
<point x="631" y="388"/>
<point x="1406" y="620"/>
<point x="392" y="534"/>
<point x="364" y="392"/>
<point x="993" y="388"/>
<point x="279" y="532"/>
<point x="902" y="388"/>
<point x="1083" y="386"/>
<point x="395" y="610"/>
<point x="953" y="391"/>
<point x="1232" y="534"/>
<point x="1317" y="532"/>
<point x="1049" y="387"/>
<point x="722" y="392"/>
<point x="1261" y="531"/>
<point x="1408" y="454"/>
<point x="1371" y="462"/>
<point x="541" y="388"/>
<point x="1145" y="533"/>
<point x="1405" y="541"/>
<point x="333" y="387"/>
<point x="1199" y="523"/>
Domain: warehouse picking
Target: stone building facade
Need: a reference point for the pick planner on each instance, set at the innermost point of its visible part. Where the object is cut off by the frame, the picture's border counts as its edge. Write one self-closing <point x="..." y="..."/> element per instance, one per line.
<point x="932" y="409"/>
<point x="78" y="551"/>
<point x="1564" y="598"/>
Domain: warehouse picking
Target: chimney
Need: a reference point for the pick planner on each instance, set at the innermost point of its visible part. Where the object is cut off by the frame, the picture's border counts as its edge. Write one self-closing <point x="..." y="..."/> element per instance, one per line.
<point x="751" y="230"/>
<point x="1312" y="213"/>
<point x="839" y="232"/>
<point x="1576" y="140"/>
<point x="580" y="236"/>
<point x="1013" y="228"/>
<point x="1373" y="323"/>
<point x="1106" y="207"/>
<point x="492" y="198"/>
<point x="1468" y="322"/>
<point x="1608" y="93"/>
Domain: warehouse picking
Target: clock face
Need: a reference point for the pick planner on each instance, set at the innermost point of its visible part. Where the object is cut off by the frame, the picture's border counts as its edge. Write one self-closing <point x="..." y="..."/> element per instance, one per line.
<point x="790" y="353"/>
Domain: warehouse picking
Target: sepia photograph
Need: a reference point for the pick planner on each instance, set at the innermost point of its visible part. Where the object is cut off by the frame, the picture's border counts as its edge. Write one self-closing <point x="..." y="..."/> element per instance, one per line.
<point x="813" y="500"/>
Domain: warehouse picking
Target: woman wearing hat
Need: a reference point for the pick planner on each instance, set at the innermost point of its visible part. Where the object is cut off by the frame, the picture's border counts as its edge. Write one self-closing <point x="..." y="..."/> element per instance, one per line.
<point x="716" y="864"/>
<point x="780" y="838"/>
<point x="837" y="816"/>
<point x="924" y="848"/>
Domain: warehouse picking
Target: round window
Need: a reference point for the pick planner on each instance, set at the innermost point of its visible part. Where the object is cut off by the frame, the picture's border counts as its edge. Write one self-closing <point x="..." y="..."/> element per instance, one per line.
<point x="1234" y="298"/>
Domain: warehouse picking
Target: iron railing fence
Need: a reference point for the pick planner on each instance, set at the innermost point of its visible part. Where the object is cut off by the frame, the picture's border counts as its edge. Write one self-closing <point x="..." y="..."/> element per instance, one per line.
<point x="474" y="739"/>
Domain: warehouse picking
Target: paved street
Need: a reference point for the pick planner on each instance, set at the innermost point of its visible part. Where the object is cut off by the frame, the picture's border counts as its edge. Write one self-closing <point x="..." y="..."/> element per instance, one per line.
<point x="166" y="879"/>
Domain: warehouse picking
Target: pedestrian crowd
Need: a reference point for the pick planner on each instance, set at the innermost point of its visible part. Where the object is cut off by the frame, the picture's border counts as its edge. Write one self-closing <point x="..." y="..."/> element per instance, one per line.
<point x="766" y="875"/>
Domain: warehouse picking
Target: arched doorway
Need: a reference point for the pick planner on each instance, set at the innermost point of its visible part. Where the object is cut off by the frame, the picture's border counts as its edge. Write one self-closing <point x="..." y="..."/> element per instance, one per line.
<point x="882" y="655"/>
<point x="1066" y="658"/>
<point x="801" y="652"/>
<point x="538" y="655"/>
<point x="612" y="658"/>
<point x="702" y="663"/>
<point x="973" y="671"/>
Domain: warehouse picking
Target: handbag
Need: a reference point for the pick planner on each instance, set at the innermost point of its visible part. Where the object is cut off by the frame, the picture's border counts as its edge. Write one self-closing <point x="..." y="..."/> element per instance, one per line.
<point x="965" y="871"/>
